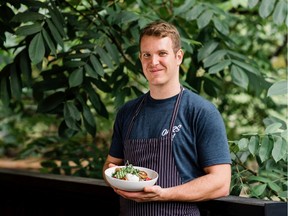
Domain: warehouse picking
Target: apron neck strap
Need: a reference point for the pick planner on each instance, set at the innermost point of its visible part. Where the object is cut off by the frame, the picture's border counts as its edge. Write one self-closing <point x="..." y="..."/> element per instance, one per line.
<point x="173" y="118"/>
<point x="175" y="111"/>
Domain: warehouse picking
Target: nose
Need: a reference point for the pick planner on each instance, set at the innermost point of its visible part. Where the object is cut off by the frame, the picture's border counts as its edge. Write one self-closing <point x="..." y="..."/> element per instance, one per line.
<point x="154" y="60"/>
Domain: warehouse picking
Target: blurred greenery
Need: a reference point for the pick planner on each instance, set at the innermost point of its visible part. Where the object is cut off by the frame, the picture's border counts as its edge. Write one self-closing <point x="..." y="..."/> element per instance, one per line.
<point x="67" y="66"/>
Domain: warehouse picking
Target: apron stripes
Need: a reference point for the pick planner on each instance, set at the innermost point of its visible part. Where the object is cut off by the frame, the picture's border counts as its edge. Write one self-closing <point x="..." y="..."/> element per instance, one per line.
<point x="156" y="154"/>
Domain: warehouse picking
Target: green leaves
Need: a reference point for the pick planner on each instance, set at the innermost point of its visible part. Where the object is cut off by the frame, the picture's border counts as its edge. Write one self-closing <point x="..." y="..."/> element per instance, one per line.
<point x="89" y="121"/>
<point x="185" y="7"/>
<point x="278" y="9"/>
<point x="278" y="88"/>
<point x="96" y="101"/>
<point x="264" y="167"/>
<point x="243" y="143"/>
<point x="76" y="77"/>
<point x="257" y="190"/>
<point x="219" y="67"/>
<point x="239" y="76"/>
<point x="269" y="146"/>
<point x="253" y="145"/>
<point x="29" y="29"/>
<point x="280" y="149"/>
<point x="214" y="58"/>
<point x="27" y="16"/>
<point x="71" y="115"/>
<point x="16" y="82"/>
<point x="221" y="26"/>
<point x="41" y="36"/>
<point x="55" y="33"/>
<point x="204" y="18"/>
<point x="273" y="128"/>
<point x="220" y="60"/>
<point x="280" y="12"/>
<point x="266" y="8"/>
<point x="96" y="65"/>
<point x="52" y="102"/>
<point x="112" y="51"/>
<point x="245" y="66"/>
<point x="252" y="3"/>
<point x="36" y="49"/>
<point x="104" y="57"/>
<point x="195" y="12"/>
<point x="4" y="91"/>
<point x="49" y="42"/>
<point x="206" y="50"/>
<point x="125" y="17"/>
<point x="265" y="148"/>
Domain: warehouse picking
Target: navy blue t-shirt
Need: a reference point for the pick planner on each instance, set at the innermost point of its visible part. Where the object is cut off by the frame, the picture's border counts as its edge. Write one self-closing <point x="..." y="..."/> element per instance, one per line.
<point x="199" y="135"/>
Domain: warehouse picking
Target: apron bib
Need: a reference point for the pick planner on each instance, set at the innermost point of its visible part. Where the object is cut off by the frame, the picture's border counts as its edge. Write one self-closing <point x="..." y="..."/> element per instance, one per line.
<point x="156" y="154"/>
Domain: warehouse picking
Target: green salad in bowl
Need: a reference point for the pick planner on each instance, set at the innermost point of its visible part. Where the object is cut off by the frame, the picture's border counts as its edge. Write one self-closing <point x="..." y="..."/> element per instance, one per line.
<point x="130" y="178"/>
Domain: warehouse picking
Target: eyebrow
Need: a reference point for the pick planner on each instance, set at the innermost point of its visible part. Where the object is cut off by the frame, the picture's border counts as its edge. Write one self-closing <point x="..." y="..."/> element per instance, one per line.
<point x="162" y="50"/>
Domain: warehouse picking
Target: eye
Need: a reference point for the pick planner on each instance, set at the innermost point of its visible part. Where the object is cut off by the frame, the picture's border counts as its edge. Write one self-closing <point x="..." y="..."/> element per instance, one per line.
<point x="145" y="55"/>
<point x="163" y="53"/>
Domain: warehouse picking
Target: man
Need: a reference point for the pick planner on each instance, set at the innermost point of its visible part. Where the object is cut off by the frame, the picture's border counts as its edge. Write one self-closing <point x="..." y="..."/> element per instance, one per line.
<point x="172" y="131"/>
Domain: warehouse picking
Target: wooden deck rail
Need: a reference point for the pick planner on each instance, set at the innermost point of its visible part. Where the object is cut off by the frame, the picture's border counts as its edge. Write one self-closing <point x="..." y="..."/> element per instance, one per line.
<point x="24" y="193"/>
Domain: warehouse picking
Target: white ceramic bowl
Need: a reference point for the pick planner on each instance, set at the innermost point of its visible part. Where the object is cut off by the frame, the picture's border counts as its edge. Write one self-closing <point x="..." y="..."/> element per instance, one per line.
<point x="131" y="185"/>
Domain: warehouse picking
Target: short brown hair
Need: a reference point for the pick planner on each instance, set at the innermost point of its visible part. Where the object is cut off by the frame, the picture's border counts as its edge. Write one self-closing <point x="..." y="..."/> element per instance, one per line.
<point x="162" y="29"/>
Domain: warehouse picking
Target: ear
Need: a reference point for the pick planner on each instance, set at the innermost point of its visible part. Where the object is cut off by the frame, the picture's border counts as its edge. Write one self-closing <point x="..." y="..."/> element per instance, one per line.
<point x="179" y="56"/>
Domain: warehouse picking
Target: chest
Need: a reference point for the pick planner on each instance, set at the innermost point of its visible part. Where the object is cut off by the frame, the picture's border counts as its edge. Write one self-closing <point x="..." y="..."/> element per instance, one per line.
<point x="152" y="121"/>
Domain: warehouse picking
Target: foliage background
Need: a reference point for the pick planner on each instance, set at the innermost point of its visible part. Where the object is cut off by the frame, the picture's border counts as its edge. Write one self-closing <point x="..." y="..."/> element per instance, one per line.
<point x="67" y="66"/>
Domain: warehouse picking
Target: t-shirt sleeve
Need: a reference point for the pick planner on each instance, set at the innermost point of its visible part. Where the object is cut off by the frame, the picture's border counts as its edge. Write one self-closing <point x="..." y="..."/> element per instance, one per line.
<point x="116" y="148"/>
<point x="120" y="127"/>
<point x="212" y="143"/>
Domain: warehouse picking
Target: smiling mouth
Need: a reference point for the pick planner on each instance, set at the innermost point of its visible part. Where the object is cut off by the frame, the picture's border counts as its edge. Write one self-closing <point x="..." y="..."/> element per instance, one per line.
<point x="155" y="70"/>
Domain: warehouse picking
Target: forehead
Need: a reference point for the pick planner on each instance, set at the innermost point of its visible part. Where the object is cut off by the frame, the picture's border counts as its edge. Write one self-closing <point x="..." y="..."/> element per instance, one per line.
<point x="154" y="44"/>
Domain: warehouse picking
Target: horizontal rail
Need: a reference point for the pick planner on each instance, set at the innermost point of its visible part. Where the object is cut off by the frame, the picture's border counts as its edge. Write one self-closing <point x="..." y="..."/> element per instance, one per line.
<point x="31" y="193"/>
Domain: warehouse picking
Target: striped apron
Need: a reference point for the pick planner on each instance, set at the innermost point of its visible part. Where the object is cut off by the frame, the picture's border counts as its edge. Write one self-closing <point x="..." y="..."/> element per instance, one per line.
<point x="156" y="154"/>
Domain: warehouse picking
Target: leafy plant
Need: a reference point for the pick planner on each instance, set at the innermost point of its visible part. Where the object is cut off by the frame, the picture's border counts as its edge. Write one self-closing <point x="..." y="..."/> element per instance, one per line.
<point x="260" y="160"/>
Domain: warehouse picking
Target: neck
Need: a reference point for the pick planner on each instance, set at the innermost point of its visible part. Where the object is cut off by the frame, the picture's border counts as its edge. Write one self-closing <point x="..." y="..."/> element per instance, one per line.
<point x="163" y="92"/>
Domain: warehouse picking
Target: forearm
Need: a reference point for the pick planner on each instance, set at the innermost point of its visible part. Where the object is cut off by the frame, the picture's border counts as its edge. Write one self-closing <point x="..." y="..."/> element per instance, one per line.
<point x="110" y="161"/>
<point x="210" y="186"/>
<point x="106" y="166"/>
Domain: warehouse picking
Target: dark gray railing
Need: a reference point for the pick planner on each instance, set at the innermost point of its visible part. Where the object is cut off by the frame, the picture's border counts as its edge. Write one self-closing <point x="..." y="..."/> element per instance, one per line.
<point x="25" y="193"/>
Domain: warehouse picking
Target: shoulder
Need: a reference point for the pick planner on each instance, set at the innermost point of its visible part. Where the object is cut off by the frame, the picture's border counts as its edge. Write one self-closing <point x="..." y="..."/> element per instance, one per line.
<point x="195" y="101"/>
<point x="131" y="105"/>
<point x="124" y="113"/>
<point x="199" y="109"/>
